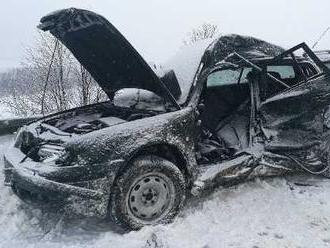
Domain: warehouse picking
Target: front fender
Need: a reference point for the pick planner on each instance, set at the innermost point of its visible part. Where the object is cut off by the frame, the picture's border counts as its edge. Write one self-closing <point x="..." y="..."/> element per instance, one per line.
<point x="177" y="129"/>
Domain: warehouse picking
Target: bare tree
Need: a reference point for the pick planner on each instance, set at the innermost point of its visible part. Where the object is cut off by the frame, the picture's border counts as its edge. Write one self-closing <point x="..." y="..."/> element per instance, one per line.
<point x="15" y="94"/>
<point x="59" y="71"/>
<point x="205" y="31"/>
<point x="89" y="91"/>
<point x="51" y="80"/>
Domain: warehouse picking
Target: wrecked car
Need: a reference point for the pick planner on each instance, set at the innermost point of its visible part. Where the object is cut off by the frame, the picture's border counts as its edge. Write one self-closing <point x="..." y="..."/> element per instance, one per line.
<point x="219" y="113"/>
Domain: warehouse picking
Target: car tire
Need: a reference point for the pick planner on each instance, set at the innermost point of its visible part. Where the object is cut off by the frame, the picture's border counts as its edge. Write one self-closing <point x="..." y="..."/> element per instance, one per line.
<point x="150" y="191"/>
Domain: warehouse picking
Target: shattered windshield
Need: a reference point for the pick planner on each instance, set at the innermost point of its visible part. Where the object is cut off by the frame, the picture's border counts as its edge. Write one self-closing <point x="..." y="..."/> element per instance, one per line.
<point x="227" y="77"/>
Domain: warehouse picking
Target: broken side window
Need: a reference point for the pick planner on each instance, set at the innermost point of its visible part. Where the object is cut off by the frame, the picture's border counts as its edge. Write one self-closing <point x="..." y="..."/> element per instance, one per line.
<point x="228" y="77"/>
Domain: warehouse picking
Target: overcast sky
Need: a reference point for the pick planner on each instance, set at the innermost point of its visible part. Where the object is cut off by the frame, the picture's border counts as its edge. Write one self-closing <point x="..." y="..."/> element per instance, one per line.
<point x="156" y="28"/>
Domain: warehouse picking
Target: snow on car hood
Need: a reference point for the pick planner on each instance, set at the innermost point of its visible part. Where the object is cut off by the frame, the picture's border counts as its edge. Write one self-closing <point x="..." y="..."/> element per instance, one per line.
<point x="104" y="52"/>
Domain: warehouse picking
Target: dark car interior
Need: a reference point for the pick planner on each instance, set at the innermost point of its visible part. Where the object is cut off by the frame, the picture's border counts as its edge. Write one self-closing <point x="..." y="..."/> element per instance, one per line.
<point x="227" y="101"/>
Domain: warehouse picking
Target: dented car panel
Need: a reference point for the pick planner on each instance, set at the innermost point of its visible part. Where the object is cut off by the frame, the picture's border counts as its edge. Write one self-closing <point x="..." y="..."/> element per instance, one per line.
<point x="248" y="120"/>
<point x="301" y="106"/>
<point x="295" y="124"/>
<point x="288" y="131"/>
<point x="126" y="141"/>
<point x="95" y="159"/>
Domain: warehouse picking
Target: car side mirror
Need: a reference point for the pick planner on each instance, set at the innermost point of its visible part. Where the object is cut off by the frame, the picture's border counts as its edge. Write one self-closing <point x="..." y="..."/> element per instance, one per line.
<point x="171" y="82"/>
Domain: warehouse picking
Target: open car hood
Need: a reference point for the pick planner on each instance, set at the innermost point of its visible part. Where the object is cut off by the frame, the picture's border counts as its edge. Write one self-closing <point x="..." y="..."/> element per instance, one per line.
<point x="106" y="54"/>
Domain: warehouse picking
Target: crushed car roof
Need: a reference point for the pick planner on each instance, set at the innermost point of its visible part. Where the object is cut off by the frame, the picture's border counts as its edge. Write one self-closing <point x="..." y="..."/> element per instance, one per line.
<point x="211" y="51"/>
<point x="247" y="46"/>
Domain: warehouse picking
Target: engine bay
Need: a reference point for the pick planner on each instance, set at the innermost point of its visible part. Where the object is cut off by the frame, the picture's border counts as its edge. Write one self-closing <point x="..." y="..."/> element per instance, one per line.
<point x="94" y="117"/>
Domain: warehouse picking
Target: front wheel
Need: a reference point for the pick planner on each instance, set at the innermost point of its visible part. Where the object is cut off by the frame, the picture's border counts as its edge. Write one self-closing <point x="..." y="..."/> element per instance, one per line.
<point x="151" y="191"/>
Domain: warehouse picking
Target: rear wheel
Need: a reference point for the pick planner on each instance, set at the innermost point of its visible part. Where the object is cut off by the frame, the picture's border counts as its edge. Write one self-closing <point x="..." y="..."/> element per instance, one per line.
<point x="151" y="191"/>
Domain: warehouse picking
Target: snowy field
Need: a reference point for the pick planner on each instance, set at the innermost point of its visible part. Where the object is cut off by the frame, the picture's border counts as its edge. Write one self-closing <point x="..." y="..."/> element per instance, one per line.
<point x="292" y="212"/>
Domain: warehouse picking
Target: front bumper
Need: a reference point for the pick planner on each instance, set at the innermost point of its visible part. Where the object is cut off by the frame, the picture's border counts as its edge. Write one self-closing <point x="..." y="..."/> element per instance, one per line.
<point x="29" y="181"/>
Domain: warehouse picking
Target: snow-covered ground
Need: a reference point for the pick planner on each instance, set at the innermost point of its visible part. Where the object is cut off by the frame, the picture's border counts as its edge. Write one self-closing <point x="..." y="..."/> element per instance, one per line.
<point x="291" y="212"/>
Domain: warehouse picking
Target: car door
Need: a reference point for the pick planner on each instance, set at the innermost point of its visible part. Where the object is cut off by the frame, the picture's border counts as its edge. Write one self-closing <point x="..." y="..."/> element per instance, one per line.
<point x="227" y="101"/>
<point x="294" y="118"/>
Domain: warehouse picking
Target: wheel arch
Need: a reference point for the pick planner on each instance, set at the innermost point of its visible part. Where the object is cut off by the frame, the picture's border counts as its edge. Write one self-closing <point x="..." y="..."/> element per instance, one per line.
<point x="163" y="150"/>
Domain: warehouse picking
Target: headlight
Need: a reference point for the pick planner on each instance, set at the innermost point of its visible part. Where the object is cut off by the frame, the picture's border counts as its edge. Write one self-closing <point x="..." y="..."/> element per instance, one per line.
<point x="50" y="152"/>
